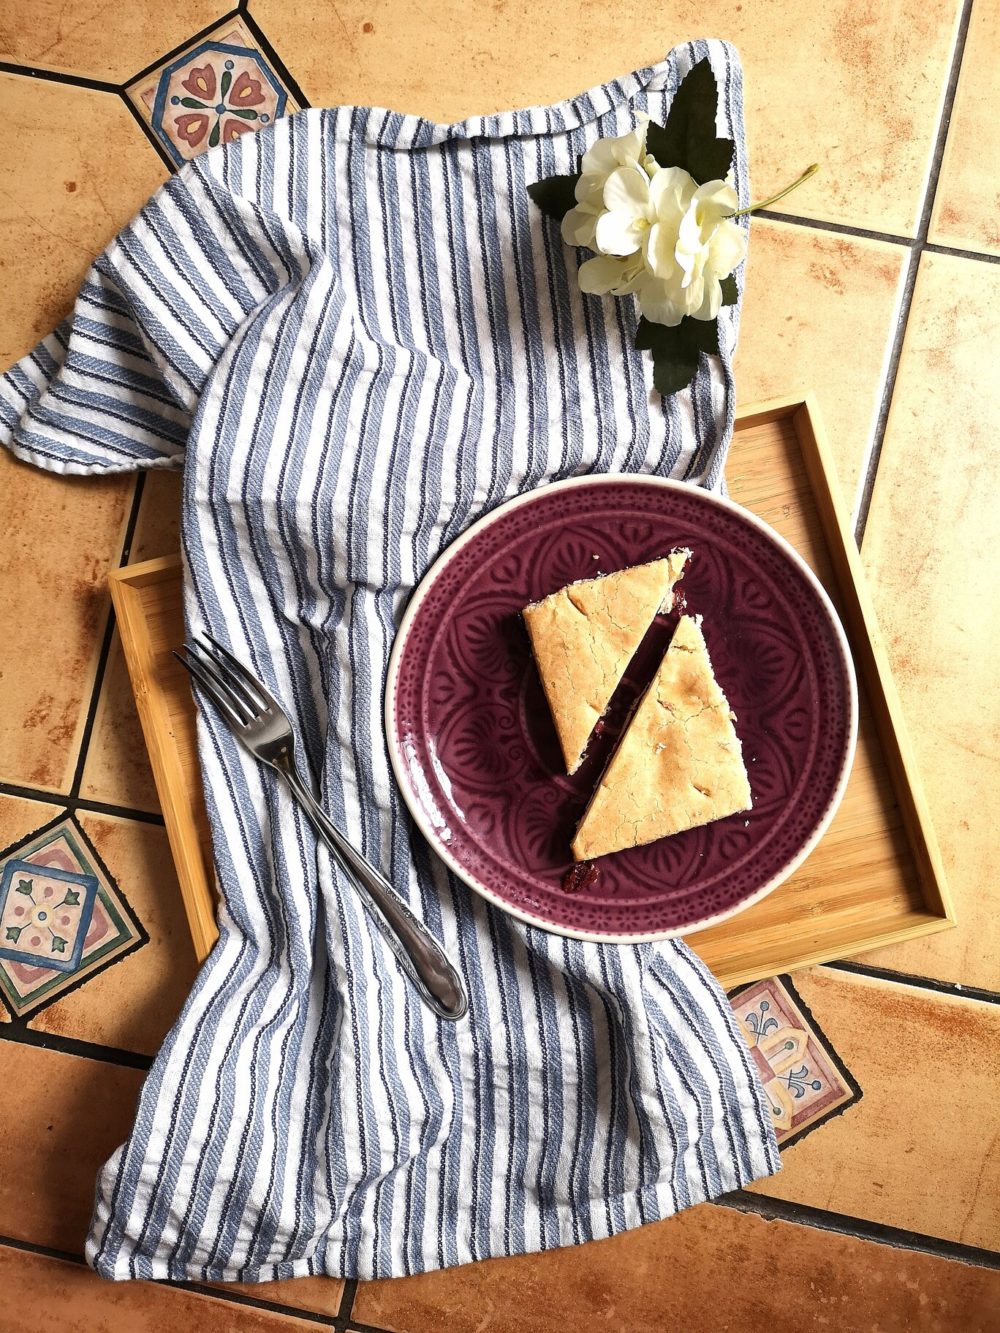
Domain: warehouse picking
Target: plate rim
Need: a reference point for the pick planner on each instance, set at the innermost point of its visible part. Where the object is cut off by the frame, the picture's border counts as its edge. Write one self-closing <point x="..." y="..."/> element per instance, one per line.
<point x="418" y="596"/>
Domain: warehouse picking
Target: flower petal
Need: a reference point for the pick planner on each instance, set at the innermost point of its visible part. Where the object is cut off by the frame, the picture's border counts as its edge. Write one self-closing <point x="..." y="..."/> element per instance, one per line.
<point x="618" y="233"/>
<point x="627" y="190"/>
<point x="600" y="275"/>
<point x="656" y="303"/>
<point x="728" y="248"/>
<point x="578" y="226"/>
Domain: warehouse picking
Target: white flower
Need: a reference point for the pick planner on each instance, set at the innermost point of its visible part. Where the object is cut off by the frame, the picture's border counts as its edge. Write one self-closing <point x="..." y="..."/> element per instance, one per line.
<point x="597" y="165"/>
<point x="691" y="246"/>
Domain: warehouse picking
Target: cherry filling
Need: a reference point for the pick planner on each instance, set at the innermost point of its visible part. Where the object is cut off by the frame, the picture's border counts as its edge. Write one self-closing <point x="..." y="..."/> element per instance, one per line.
<point x="580" y="876"/>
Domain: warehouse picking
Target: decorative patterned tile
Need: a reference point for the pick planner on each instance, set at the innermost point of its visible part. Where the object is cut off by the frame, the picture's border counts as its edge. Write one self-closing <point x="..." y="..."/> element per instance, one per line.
<point x="803" y="1078"/>
<point x="62" y="917"/>
<point x="921" y="1151"/>
<point x="132" y="1005"/>
<point x="223" y="86"/>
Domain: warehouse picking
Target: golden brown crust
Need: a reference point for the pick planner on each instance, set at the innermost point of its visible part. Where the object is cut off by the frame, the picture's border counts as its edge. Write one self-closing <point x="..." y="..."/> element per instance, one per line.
<point x="584" y="637"/>
<point x="679" y="763"/>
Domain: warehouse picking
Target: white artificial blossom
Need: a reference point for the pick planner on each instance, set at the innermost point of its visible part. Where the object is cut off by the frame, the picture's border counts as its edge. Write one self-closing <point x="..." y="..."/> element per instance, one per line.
<point x="658" y="234"/>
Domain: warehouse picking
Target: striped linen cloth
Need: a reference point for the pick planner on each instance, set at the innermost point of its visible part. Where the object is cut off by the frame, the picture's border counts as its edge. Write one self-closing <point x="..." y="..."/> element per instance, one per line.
<point x="356" y="334"/>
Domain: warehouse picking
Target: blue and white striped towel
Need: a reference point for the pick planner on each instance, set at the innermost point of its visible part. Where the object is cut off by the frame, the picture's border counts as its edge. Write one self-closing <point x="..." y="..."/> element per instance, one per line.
<point x="356" y="334"/>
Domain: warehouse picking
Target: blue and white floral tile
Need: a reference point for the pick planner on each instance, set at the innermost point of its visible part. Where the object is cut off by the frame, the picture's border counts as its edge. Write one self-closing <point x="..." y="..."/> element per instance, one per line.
<point x="220" y="87"/>
<point x="62" y="917"/>
<point x="805" y="1081"/>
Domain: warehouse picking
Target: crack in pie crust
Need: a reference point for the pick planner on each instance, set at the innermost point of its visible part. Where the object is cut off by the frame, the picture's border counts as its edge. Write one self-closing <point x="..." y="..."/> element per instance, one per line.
<point x="679" y="763"/>
<point x="584" y="636"/>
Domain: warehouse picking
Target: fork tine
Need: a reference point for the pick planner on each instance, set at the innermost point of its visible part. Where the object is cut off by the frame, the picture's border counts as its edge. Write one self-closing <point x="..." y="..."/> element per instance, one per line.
<point x="238" y="699"/>
<point x="249" y="680"/>
<point x="216" y="689"/>
<point x="237" y="680"/>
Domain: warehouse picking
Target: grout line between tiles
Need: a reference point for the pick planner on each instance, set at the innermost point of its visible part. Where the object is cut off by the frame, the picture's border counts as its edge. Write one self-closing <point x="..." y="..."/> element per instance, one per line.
<point x="935" y="248"/>
<point x="224" y="1293"/>
<point x="839" y="228"/>
<point x="956" y="989"/>
<point x="109" y="633"/>
<point x="18" y="1032"/>
<point x="347" y="1300"/>
<point x="53" y="76"/>
<point x="781" y="1210"/>
<point x="870" y="464"/>
<point x="927" y="207"/>
<point x="74" y="803"/>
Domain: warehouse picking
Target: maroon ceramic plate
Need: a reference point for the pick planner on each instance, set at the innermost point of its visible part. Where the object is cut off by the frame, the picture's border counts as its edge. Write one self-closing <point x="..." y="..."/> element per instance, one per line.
<point x="475" y="751"/>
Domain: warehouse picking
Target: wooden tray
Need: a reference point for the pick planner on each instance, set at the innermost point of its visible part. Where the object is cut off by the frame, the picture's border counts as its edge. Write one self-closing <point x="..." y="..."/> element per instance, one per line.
<point x="874" y="879"/>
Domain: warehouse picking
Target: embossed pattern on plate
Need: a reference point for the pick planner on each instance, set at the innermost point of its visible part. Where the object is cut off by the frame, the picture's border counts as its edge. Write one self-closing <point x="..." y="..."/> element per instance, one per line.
<point x="475" y="750"/>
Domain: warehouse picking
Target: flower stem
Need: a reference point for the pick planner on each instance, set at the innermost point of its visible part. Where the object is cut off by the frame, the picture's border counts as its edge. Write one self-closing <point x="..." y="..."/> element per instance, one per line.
<point x="764" y="203"/>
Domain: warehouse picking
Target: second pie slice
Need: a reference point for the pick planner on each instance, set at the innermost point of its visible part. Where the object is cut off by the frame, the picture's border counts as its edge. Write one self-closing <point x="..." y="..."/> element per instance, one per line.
<point x="679" y="763"/>
<point x="584" y="637"/>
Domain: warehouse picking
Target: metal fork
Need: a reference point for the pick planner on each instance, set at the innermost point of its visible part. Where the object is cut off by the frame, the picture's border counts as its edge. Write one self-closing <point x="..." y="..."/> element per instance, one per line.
<point x="262" y="725"/>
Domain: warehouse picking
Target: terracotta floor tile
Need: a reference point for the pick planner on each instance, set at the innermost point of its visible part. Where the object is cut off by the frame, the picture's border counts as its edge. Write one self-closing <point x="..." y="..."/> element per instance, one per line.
<point x="921" y="1150"/>
<point x="318" y="1295"/>
<point x="967" y="202"/>
<point x="705" y="1271"/>
<point x="935" y="496"/>
<point x="117" y="767"/>
<point x="74" y="167"/>
<point x="47" y="677"/>
<point x="858" y="90"/>
<point x="107" y="42"/>
<point x="158" y="527"/>
<point x="43" y="1295"/>
<point x="820" y="313"/>
<point x="134" y="1002"/>
<point x="63" y="1117"/>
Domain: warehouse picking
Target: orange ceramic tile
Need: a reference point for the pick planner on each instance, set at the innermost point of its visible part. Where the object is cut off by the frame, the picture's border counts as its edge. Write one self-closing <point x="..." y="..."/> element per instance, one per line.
<point x="117" y="767"/>
<point x="62" y="1118"/>
<point x="930" y="552"/>
<point x="132" y="1004"/>
<point x="43" y="1295"/>
<point x="158" y="527"/>
<point x="856" y="88"/>
<point x="921" y="1150"/>
<point x="318" y="1295"/>
<point x="704" y="1271"/>
<point x="53" y="607"/>
<point x="74" y="167"/>
<point x="967" y="203"/>
<point x="221" y="86"/>
<point x="819" y="313"/>
<point x="106" y="42"/>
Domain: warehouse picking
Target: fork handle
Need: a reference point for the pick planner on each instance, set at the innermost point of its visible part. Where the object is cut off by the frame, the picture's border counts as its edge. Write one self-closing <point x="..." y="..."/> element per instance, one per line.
<point x="418" y="952"/>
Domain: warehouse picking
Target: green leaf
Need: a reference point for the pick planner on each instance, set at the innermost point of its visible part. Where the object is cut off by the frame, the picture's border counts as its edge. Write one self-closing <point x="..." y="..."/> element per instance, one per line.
<point x="688" y="138"/>
<point x="193" y="103"/>
<point x="730" y="294"/>
<point x="676" y="350"/>
<point x="213" y="138"/>
<point x="13" y="932"/>
<point x="555" y="195"/>
<point x="58" y="944"/>
<point x="227" y="78"/>
<point x="25" y="885"/>
<point x="71" y="899"/>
